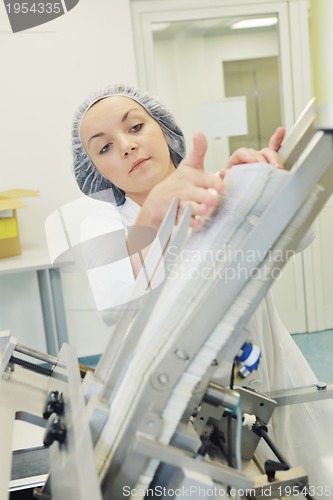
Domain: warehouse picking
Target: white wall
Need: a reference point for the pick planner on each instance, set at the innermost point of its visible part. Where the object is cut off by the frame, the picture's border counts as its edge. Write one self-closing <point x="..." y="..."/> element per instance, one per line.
<point x="45" y="73"/>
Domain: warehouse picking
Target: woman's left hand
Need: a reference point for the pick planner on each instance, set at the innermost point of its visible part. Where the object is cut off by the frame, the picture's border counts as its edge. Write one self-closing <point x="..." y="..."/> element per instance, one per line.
<point x="265" y="155"/>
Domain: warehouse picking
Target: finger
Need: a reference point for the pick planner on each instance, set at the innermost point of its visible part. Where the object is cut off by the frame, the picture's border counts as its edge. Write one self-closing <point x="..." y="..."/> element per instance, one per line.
<point x="245" y="155"/>
<point x="200" y="196"/>
<point x="201" y="213"/>
<point x="276" y="139"/>
<point x="196" y="156"/>
<point x="198" y="222"/>
<point x="222" y="173"/>
<point x="271" y="157"/>
<point x="213" y="185"/>
<point x="195" y="180"/>
<point x="200" y="209"/>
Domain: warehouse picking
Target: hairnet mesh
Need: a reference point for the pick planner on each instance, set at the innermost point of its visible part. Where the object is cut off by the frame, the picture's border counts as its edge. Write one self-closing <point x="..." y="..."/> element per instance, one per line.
<point x="89" y="179"/>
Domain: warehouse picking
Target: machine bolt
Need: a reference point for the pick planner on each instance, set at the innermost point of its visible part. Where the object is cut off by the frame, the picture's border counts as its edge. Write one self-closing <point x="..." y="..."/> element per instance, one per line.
<point x="181" y="354"/>
<point x="7" y="373"/>
<point x="55" y="430"/>
<point x="163" y="378"/>
<point x="54" y="404"/>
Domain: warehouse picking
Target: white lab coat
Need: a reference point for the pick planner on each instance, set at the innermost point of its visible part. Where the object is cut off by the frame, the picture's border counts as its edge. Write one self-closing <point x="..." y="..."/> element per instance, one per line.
<point x="302" y="432"/>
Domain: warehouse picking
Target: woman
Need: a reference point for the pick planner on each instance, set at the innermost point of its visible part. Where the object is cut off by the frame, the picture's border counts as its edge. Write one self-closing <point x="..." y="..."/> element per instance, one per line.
<point x="127" y="145"/>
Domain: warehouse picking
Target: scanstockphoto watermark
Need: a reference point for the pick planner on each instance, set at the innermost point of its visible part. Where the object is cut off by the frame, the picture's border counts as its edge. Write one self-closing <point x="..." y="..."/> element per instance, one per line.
<point x="194" y="491"/>
<point x="226" y="264"/>
<point x="197" y="491"/>
<point x="24" y="15"/>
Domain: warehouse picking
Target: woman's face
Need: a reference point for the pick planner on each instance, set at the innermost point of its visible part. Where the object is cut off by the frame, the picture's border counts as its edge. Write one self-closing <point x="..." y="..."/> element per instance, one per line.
<point x="126" y="145"/>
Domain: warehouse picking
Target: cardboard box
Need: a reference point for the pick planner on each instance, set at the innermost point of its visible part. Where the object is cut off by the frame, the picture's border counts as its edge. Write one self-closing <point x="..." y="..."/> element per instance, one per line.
<point x="9" y="232"/>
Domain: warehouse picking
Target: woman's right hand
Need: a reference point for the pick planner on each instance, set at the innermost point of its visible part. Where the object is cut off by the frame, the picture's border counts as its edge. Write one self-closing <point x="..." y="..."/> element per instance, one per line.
<point x="190" y="184"/>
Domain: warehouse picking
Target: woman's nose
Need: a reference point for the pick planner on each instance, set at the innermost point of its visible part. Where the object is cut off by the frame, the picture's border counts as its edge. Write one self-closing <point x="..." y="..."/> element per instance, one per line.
<point x="128" y="145"/>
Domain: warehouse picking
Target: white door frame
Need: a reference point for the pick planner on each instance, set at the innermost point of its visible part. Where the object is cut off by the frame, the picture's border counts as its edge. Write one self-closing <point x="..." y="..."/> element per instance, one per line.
<point x="295" y="70"/>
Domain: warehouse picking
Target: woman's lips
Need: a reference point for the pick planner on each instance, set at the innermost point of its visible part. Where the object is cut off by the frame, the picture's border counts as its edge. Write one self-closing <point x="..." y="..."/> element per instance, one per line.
<point x="137" y="164"/>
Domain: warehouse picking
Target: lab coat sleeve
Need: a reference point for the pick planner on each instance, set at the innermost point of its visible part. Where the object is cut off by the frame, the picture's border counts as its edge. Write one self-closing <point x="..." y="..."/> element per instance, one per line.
<point x="307" y="238"/>
<point x="108" y="266"/>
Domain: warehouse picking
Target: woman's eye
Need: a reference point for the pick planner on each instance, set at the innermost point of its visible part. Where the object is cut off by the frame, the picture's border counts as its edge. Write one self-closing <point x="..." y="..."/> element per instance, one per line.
<point x="137" y="127"/>
<point x="106" y="148"/>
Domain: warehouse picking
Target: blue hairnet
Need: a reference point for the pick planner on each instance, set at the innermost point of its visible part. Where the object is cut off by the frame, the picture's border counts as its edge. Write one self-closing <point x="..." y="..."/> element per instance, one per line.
<point x="89" y="179"/>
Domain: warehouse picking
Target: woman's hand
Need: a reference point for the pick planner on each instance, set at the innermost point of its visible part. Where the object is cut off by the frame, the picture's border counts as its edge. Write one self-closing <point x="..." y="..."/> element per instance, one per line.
<point x="193" y="186"/>
<point x="266" y="155"/>
<point x="190" y="184"/>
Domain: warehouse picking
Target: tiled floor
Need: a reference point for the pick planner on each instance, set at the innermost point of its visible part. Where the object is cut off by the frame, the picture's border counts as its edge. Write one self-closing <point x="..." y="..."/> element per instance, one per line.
<point x="318" y="350"/>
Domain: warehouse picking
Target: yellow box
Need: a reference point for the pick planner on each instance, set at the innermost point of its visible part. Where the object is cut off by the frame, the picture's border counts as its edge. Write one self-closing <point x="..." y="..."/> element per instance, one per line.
<point x="9" y="233"/>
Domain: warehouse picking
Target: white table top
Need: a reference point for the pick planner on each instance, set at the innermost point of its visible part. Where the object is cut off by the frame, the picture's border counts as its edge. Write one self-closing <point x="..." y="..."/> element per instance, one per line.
<point x="32" y="258"/>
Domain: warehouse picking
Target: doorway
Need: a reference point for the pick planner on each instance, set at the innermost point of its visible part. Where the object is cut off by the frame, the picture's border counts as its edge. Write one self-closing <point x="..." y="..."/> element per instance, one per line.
<point x="258" y="80"/>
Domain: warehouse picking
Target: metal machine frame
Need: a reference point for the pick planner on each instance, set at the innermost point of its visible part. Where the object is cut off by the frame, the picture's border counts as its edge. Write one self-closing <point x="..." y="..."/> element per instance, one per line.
<point x="88" y="404"/>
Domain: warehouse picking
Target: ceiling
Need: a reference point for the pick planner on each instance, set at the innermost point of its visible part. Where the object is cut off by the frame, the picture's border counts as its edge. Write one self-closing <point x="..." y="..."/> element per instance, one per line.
<point x="201" y="27"/>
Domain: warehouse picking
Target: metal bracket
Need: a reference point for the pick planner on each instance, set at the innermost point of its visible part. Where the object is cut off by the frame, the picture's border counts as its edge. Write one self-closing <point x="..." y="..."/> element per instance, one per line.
<point x="185" y="460"/>
<point x="7" y="346"/>
<point x="304" y="394"/>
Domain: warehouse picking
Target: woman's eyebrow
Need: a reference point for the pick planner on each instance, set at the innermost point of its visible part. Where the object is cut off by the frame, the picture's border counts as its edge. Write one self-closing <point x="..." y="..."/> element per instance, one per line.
<point x="124" y="118"/>
<point x="127" y="113"/>
<point x="100" y="134"/>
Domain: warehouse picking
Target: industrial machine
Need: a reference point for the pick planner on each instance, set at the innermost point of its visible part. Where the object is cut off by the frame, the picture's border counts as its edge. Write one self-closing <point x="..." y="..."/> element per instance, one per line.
<point x="154" y="420"/>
